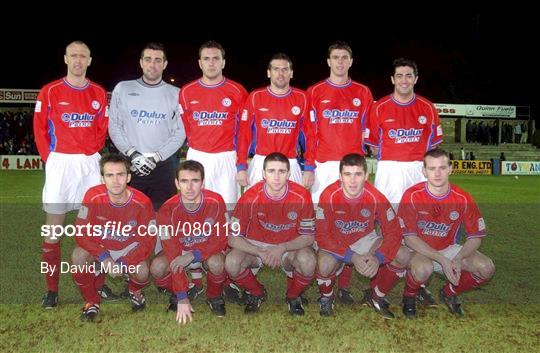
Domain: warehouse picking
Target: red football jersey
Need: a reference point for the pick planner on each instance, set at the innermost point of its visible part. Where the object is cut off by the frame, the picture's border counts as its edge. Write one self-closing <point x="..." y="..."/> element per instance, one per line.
<point x="202" y="231"/>
<point x="340" y="114"/>
<point x="70" y="119"/>
<point x="342" y="221"/>
<point x="437" y="219"/>
<point x="114" y="227"/>
<point x="210" y="114"/>
<point x="275" y="221"/>
<point x="403" y="132"/>
<point x="277" y="121"/>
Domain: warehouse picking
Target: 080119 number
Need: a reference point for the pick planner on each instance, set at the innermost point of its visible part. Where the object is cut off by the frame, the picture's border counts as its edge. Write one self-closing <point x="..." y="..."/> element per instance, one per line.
<point x="198" y="229"/>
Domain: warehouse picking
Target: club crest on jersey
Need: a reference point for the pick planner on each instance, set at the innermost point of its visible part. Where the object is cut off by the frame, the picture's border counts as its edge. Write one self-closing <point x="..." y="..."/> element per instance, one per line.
<point x="209" y="221"/>
<point x="454" y="215"/>
<point x="337" y="116"/>
<point x="405" y="135"/>
<point x="365" y="212"/>
<point x="295" y="110"/>
<point x="356" y="102"/>
<point x="275" y="126"/>
<point x="132" y="223"/>
<point x="226" y="102"/>
<point x="292" y="215"/>
<point x="77" y="119"/>
<point x="95" y="105"/>
<point x="422" y="119"/>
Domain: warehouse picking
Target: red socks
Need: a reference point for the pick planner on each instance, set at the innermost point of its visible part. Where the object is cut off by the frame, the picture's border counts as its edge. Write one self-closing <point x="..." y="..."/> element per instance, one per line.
<point x="467" y="281"/>
<point x="344" y="278"/>
<point x="51" y="256"/>
<point x="248" y="281"/>
<point x="297" y="284"/>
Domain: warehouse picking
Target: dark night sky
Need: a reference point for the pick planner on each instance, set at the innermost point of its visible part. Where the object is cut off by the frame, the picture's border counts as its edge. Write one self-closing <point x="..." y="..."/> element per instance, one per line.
<point x="463" y="57"/>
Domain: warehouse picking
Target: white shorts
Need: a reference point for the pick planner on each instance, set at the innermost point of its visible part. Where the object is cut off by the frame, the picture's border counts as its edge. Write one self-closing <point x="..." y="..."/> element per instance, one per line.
<point x="325" y="174"/>
<point x="158" y="247"/>
<point x="364" y="244"/>
<point x="361" y="247"/>
<point x="449" y="252"/>
<point x="264" y="246"/>
<point x="393" y="178"/>
<point x="193" y="265"/>
<point x="116" y="254"/>
<point x="219" y="173"/>
<point x="67" y="178"/>
<point x="255" y="170"/>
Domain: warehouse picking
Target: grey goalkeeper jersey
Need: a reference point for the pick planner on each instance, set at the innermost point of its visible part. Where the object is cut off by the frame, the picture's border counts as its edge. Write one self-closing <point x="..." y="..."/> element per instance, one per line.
<point x="146" y="118"/>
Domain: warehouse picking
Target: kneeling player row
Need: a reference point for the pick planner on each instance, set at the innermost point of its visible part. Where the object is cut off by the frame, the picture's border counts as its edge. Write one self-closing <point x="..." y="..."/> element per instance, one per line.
<point x="279" y="227"/>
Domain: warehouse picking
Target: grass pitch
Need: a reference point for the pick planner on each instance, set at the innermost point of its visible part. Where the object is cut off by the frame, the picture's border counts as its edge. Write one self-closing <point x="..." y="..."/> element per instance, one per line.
<point x="502" y="317"/>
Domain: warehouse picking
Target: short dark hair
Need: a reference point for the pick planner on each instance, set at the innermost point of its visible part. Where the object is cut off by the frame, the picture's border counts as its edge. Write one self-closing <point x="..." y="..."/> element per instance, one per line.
<point x="114" y="158"/>
<point x="436" y="153"/>
<point x="339" y="45"/>
<point x="276" y="157"/>
<point x="79" y="42"/>
<point x="404" y="62"/>
<point x="190" y="165"/>
<point x="353" y="159"/>
<point x="212" y="44"/>
<point x="154" y="46"/>
<point x="280" y="56"/>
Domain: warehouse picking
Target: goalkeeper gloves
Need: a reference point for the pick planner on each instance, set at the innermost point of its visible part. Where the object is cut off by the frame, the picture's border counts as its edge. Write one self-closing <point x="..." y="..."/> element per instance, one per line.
<point x="140" y="164"/>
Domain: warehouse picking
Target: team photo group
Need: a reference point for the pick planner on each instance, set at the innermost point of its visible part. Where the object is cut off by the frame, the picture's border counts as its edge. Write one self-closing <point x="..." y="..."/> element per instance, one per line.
<point x="276" y="177"/>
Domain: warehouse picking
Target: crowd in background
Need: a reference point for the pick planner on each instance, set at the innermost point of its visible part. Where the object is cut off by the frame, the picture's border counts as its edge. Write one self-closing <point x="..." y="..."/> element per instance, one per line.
<point x="16" y="133"/>
<point x="487" y="133"/>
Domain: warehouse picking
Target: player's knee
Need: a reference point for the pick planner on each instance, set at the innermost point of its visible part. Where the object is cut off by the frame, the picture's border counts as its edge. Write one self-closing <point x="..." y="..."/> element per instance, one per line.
<point x="142" y="272"/>
<point x="216" y="263"/>
<point x="233" y="264"/>
<point x="79" y="256"/>
<point x="421" y="272"/>
<point x="325" y="267"/>
<point x="403" y="258"/>
<point x="159" y="267"/>
<point x="306" y="261"/>
<point x="486" y="268"/>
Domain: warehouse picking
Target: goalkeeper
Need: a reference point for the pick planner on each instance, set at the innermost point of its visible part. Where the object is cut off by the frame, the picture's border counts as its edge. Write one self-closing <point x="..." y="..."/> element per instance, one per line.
<point x="145" y="125"/>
